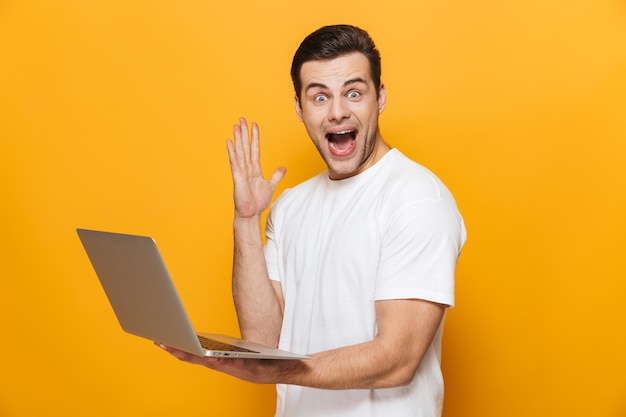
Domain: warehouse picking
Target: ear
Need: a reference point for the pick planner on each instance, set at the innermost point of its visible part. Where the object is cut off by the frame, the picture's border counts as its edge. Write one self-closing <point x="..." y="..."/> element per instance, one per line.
<point x="382" y="98"/>
<point x="296" y="103"/>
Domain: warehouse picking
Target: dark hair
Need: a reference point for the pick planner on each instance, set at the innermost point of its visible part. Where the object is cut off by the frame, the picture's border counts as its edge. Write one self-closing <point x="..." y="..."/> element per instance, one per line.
<point x="330" y="42"/>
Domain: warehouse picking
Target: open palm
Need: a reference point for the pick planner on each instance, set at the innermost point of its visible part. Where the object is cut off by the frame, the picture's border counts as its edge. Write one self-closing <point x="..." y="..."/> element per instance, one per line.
<point x="252" y="192"/>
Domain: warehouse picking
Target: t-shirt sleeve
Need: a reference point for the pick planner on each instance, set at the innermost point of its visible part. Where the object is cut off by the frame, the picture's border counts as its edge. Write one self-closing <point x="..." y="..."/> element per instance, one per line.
<point x="419" y="252"/>
<point x="270" y="249"/>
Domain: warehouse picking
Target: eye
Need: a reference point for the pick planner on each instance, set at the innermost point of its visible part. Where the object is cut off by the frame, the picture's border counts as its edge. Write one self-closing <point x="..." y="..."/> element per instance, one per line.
<point x="320" y="98"/>
<point x="354" y="94"/>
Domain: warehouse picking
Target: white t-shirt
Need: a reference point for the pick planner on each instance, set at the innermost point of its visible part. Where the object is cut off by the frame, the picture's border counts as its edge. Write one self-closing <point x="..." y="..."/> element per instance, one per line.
<point x="391" y="232"/>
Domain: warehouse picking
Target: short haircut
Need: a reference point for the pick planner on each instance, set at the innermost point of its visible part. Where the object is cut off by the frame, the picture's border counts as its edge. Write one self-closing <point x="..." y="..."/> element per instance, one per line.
<point x="330" y="42"/>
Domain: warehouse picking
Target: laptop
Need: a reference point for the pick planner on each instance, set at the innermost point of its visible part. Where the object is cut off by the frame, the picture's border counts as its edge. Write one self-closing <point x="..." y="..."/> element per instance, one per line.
<point x="146" y="303"/>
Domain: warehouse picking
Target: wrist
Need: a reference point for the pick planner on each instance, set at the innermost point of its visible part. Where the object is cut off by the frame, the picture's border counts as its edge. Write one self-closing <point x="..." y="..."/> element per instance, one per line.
<point x="251" y="222"/>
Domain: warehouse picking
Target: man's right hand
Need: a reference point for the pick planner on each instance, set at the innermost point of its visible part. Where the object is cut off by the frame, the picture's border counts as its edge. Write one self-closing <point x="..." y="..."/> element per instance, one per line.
<point x="252" y="192"/>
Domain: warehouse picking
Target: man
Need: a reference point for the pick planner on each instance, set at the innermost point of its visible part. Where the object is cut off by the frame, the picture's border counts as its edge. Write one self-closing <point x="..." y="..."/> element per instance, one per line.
<point x="358" y="265"/>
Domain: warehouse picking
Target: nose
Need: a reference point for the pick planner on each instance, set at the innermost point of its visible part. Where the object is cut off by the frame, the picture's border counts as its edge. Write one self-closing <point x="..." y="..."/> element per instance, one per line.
<point x="338" y="110"/>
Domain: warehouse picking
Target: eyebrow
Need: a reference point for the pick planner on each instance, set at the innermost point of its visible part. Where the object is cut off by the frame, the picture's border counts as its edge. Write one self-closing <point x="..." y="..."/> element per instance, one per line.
<point x="346" y="84"/>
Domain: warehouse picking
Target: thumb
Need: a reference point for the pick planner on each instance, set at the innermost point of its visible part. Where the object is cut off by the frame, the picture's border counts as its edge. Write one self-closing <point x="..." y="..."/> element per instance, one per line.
<point x="277" y="176"/>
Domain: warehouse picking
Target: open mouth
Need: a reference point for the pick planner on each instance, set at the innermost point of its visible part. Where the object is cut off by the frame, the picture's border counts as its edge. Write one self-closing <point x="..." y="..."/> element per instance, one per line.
<point x="341" y="143"/>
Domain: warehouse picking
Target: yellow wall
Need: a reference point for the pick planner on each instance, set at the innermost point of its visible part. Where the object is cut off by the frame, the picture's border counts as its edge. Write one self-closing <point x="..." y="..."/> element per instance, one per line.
<point x="114" y="115"/>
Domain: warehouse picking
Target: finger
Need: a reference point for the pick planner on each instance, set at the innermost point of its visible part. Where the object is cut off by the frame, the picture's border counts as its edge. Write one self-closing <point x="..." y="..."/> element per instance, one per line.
<point x="255" y="151"/>
<point x="239" y="145"/>
<point x="232" y="156"/>
<point x="245" y="139"/>
<point x="277" y="176"/>
<point x="182" y="355"/>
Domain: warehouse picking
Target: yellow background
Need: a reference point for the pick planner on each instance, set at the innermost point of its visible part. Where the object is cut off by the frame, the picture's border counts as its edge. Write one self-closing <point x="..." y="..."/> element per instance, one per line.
<point x="114" y="115"/>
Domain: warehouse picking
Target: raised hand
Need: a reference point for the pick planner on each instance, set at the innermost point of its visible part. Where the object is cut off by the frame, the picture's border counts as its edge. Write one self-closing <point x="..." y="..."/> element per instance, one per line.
<point x="252" y="192"/>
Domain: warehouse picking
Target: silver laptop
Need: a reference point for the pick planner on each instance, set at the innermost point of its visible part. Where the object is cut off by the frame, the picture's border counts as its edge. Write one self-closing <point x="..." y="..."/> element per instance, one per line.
<point x="146" y="303"/>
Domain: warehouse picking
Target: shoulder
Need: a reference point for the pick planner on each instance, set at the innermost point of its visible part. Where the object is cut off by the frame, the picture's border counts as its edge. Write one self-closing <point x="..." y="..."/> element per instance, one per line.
<point x="410" y="180"/>
<point x="414" y="195"/>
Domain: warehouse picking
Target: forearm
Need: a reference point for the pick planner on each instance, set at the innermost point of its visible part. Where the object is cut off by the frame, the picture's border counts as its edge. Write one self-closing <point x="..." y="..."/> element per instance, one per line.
<point x="363" y="366"/>
<point x="406" y="329"/>
<point x="258" y="308"/>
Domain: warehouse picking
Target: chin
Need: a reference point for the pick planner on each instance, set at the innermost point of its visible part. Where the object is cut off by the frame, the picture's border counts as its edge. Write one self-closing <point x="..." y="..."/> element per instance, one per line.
<point x="337" y="171"/>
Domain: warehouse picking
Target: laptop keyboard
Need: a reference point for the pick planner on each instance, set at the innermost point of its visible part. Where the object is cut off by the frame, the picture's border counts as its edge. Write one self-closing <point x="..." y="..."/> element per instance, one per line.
<point x="211" y="344"/>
